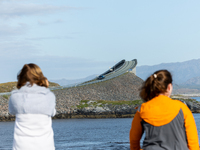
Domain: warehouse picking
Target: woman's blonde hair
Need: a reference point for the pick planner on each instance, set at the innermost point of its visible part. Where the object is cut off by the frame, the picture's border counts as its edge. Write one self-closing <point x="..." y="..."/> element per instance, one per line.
<point x="155" y="84"/>
<point x="33" y="74"/>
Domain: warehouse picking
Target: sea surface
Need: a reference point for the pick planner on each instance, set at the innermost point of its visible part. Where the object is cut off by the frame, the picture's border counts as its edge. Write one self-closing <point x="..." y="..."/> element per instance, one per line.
<point x="84" y="134"/>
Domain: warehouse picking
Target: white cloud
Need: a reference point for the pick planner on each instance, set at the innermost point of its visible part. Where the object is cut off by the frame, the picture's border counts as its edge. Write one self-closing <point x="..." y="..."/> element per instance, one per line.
<point x="17" y="49"/>
<point x="7" y="30"/>
<point x="10" y="10"/>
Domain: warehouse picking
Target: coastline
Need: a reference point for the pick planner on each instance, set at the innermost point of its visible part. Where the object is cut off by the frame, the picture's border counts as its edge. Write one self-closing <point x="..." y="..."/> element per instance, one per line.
<point x="98" y="109"/>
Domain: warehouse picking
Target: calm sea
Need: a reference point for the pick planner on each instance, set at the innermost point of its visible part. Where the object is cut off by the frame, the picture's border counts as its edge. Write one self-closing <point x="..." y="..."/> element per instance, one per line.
<point x="84" y="134"/>
<point x="197" y="98"/>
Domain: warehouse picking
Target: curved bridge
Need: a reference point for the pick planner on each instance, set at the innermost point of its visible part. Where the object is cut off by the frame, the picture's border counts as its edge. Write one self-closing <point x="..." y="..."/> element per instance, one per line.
<point x="117" y="70"/>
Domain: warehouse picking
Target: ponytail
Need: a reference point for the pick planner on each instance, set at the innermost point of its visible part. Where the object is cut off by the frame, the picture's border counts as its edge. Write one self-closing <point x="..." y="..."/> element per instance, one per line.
<point x="155" y="84"/>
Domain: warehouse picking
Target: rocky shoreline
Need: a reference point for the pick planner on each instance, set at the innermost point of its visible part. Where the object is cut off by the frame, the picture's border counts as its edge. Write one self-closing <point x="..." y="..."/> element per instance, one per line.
<point x="116" y="111"/>
<point x="95" y="109"/>
<point x="98" y="110"/>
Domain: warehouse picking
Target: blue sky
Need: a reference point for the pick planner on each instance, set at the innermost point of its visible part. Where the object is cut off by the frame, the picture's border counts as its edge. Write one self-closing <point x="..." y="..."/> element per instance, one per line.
<point x="76" y="38"/>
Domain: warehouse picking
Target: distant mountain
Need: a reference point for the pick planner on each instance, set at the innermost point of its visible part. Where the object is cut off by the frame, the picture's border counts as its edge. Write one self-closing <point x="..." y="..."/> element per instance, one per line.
<point x="63" y="82"/>
<point x="181" y="71"/>
<point x="194" y="81"/>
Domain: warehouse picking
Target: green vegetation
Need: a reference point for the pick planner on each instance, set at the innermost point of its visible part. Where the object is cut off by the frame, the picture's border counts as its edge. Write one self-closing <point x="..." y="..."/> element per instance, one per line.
<point x="9" y="86"/>
<point x="101" y="103"/>
<point x="51" y="84"/>
<point x="6" y="96"/>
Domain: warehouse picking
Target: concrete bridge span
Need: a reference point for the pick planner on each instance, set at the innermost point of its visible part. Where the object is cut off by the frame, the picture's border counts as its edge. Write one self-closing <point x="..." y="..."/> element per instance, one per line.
<point x="117" y="70"/>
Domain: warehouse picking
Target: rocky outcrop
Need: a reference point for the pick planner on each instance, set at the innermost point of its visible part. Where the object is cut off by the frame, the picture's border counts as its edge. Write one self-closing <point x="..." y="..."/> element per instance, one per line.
<point x="101" y="111"/>
<point x="124" y="87"/>
<point x="4" y="115"/>
<point x="192" y="104"/>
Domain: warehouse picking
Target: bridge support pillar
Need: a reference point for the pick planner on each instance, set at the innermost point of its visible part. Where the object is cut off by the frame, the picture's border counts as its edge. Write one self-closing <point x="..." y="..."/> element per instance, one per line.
<point x="133" y="70"/>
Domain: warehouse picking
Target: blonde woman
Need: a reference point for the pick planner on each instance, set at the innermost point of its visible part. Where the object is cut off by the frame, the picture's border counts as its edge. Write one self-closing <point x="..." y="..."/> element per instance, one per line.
<point x="33" y="104"/>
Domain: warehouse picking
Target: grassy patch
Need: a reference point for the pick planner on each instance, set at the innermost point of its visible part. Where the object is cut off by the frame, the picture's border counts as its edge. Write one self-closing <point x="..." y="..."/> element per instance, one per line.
<point x="53" y="84"/>
<point x="100" y="103"/>
<point x="82" y="105"/>
<point x="9" y="86"/>
<point x="134" y="102"/>
<point x="6" y="96"/>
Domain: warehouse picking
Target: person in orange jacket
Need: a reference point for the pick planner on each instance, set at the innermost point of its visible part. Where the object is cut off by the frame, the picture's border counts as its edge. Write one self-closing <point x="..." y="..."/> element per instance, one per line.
<point x="168" y="124"/>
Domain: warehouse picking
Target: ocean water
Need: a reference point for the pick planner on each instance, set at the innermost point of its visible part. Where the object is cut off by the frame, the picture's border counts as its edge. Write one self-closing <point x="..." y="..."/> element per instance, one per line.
<point x="197" y="98"/>
<point x="80" y="134"/>
<point x="94" y="134"/>
<point x="84" y="134"/>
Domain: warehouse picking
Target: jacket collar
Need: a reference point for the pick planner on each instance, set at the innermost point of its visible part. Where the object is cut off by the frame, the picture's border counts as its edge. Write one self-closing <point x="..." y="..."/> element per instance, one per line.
<point x="27" y="88"/>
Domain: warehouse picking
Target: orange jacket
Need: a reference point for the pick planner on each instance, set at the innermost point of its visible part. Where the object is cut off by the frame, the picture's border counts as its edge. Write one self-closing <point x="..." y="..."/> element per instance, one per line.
<point x="160" y="111"/>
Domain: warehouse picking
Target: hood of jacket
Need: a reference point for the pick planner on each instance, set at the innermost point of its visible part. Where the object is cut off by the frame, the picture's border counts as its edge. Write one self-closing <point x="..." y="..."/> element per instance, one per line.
<point x="160" y="110"/>
<point x="27" y="88"/>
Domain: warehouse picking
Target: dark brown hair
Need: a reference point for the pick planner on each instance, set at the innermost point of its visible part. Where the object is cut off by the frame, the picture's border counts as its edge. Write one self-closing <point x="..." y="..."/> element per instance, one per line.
<point x="155" y="84"/>
<point x="33" y="74"/>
